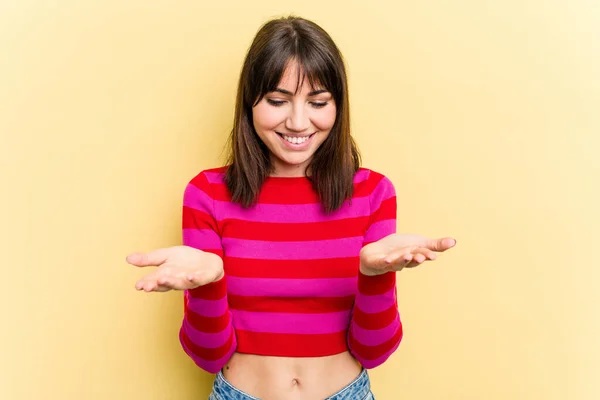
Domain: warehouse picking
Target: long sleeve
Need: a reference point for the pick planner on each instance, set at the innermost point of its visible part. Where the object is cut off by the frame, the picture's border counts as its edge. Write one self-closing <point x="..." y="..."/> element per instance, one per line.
<point x="375" y="328"/>
<point x="207" y="333"/>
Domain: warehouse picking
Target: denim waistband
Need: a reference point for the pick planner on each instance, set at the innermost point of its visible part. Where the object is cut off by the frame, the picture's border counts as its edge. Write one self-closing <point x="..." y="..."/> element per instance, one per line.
<point x="356" y="390"/>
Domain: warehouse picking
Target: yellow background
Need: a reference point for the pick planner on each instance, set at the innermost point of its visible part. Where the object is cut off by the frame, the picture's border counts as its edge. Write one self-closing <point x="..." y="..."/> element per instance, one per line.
<point x="485" y="115"/>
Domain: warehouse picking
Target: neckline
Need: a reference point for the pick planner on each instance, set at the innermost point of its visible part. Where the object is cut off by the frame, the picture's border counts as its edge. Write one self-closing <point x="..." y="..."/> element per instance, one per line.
<point x="287" y="180"/>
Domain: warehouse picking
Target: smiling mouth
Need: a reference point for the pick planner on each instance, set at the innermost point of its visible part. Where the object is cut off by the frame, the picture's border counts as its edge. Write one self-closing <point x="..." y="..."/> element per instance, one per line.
<point x="295" y="139"/>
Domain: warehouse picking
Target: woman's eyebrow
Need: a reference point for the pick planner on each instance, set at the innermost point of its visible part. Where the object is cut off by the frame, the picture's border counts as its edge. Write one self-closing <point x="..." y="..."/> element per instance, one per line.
<point x="313" y="93"/>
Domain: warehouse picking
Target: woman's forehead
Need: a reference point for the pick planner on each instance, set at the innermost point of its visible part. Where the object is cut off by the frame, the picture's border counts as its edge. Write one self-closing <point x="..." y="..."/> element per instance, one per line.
<point x="295" y="79"/>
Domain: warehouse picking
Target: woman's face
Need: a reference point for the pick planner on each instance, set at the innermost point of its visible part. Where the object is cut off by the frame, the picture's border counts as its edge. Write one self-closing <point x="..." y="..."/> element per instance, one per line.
<point x="293" y="126"/>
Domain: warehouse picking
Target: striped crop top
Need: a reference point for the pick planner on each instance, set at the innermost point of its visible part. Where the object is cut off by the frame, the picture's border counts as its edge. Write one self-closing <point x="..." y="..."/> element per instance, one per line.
<point x="292" y="285"/>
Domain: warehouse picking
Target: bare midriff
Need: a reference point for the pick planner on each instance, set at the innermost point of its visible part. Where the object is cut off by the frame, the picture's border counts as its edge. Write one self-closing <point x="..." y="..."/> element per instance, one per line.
<point x="291" y="378"/>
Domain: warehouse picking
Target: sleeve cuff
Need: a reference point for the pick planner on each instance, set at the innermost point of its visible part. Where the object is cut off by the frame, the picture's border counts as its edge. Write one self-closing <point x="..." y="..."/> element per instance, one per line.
<point x="213" y="291"/>
<point x="377" y="284"/>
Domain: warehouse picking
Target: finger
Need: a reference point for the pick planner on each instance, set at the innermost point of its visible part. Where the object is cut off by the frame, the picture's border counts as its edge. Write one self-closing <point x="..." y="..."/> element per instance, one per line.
<point x="413" y="264"/>
<point x="403" y="257"/>
<point x="442" y="244"/>
<point x="172" y="283"/>
<point x="165" y="281"/>
<point x="424" y="253"/>
<point x="159" y="284"/>
<point x="148" y="283"/>
<point x="149" y="286"/>
<point x="397" y="257"/>
<point x="398" y="254"/>
<point x="142" y="282"/>
<point x="419" y="258"/>
<point x="400" y="262"/>
<point x="159" y="289"/>
<point x="152" y="258"/>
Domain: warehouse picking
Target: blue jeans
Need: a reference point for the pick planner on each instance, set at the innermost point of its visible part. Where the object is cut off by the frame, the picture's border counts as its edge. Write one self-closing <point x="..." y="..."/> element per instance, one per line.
<point x="359" y="389"/>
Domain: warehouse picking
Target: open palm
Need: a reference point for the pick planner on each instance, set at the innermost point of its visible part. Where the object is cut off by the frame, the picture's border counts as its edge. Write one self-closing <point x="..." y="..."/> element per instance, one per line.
<point x="179" y="268"/>
<point x="398" y="251"/>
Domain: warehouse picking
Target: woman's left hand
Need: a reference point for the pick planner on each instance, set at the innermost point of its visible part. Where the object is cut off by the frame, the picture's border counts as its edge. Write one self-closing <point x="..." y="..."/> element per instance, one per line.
<point x="397" y="251"/>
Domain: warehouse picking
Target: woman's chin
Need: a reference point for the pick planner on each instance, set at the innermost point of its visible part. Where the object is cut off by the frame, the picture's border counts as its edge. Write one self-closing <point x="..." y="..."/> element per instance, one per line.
<point x="292" y="162"/>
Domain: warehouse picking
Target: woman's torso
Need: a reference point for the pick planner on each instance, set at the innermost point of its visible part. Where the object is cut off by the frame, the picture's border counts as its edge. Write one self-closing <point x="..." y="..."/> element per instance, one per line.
<point x="291" y="274"/>
<point x="291" y="269"/>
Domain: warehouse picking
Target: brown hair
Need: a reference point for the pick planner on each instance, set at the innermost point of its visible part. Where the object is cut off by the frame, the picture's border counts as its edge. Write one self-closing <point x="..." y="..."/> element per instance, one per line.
<point x="336" y="161"/>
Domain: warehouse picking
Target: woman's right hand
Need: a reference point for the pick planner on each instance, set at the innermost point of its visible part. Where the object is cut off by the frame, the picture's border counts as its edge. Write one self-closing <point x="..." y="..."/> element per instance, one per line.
<point x="179" y="268"/>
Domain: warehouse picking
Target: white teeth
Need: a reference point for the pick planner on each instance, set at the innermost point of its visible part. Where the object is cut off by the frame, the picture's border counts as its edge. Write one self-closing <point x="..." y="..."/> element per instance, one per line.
<point x="295" y="140"/>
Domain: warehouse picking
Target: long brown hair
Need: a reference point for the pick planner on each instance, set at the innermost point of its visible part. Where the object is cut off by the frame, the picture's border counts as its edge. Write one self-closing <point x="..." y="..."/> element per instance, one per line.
<point x="336" y="161"/>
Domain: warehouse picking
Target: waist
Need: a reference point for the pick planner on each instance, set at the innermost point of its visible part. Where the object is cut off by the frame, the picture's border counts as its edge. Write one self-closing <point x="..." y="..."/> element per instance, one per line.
<point x="290" y="378"/>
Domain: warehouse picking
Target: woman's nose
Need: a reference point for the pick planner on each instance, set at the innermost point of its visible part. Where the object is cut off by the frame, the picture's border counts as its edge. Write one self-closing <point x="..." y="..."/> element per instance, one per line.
<point x="298" y="120"/>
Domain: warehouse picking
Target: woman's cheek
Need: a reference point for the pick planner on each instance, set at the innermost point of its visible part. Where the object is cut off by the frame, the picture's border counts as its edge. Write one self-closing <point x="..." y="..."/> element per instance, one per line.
<point x="272" y="119"/>
<point x="326" y="120"/>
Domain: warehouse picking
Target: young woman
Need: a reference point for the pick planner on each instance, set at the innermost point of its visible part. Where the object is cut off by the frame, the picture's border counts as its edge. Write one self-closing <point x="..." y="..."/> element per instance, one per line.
<point x="290" y="253"/>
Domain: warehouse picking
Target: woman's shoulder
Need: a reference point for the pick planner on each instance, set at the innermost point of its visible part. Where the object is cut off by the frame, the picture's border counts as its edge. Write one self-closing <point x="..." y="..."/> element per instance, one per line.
<point x="211" y="175"/>
<point x="377" y="187"/>
<point x="371" y="177"/>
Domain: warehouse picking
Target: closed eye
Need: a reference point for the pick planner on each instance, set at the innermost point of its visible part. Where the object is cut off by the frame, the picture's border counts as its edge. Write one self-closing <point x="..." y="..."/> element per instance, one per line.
<point x="315" y="104"/>
<point x="275" y="103"/>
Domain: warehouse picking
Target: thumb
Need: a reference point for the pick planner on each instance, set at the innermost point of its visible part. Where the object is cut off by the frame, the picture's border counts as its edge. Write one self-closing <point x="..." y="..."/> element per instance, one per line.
<point x="442" y="244"/>
<point x="152" y="258"/>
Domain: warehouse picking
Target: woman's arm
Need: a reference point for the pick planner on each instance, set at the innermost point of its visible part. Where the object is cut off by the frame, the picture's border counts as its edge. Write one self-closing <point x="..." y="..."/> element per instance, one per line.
<point x="207" y="333"/>
<point x="375" y="328"/>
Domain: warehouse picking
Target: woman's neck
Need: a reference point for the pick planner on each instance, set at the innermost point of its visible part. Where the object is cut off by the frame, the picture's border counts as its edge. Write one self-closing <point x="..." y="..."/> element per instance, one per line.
<point x="289" y="171"/>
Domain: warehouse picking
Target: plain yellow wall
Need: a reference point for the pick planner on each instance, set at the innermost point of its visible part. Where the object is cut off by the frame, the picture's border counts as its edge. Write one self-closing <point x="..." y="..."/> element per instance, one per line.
<point x="485" y="114"/>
